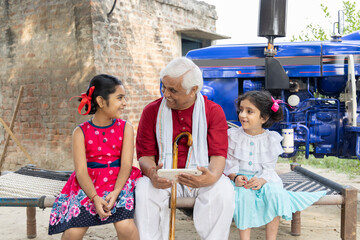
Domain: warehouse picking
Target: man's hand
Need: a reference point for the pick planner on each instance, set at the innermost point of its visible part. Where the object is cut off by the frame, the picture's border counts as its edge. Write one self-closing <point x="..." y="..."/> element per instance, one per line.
<point x="149" y="169"/>
<point x="255" y="183"/>
<point x="207" y="178"/>
<point x="209" y="175"/>
<point x="157" y="181"/>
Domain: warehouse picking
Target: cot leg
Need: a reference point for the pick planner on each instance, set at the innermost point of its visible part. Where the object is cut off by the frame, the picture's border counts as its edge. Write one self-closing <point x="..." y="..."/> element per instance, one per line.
<point x="349" y="213"/>
<point x="31" y="222"/>
<point x="296" y="224"/>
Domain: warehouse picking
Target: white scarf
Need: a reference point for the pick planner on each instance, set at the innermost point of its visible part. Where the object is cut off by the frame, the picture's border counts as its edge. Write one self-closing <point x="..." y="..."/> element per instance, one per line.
<point x="198" y="152"/>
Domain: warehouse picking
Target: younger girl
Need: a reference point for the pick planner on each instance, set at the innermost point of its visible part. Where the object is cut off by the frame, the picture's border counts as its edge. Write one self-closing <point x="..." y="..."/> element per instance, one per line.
<point x="101" y="190"/>
<point x="252" y="155"/>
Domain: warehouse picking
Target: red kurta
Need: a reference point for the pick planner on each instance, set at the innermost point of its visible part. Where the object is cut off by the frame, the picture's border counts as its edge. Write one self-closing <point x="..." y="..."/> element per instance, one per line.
<point x="146" y="144"/>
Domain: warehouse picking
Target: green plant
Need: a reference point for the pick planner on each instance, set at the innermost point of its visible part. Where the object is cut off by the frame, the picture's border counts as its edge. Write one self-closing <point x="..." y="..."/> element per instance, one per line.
<point x="349" y="166"/>
<point x="315" y="32"/>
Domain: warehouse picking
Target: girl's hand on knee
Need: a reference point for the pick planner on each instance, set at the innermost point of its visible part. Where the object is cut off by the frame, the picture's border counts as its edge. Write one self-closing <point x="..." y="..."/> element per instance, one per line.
<point x="255" y="183"/>
<point x="100" y="205"/>
<point x="241" y="180"/>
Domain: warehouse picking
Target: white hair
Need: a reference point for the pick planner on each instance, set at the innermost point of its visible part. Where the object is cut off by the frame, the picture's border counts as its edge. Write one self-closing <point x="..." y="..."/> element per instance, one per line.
<point x="190" y="72"/>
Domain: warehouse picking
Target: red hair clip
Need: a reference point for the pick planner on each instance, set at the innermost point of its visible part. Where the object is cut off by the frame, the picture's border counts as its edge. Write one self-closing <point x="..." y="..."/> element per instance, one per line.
<point x="85" y="99"/>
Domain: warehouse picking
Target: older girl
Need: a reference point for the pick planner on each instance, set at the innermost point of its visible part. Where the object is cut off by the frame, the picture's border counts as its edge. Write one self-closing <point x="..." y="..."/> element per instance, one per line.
<point x="101" y="190"/>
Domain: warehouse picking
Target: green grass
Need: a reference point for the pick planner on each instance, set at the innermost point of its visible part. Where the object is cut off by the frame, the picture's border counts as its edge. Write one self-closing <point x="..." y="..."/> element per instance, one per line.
<point x="351" y="167"/>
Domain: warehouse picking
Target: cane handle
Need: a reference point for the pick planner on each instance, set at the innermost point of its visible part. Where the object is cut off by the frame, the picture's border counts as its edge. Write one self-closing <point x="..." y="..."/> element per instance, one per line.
<point x="173" y="189"/>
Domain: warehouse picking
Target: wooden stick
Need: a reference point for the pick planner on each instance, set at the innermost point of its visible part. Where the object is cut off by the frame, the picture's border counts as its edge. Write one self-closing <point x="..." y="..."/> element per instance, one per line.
<point x="173" y="212"/>
<point x="16" y="140"/>
<point x="296" y="224"/>
<point x="11" y="126"/>
<point x="349" y="214"/>
<point x="31" y="222"/>
<point x="173" y="189"/>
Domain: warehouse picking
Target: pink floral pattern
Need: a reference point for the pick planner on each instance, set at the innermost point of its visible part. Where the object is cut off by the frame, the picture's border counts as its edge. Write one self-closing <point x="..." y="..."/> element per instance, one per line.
<point x="72" y="207"/>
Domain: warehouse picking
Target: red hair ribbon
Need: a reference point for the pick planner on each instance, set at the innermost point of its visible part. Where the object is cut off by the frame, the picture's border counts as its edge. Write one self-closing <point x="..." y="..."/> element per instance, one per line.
<point x="275" y="106"/>
<point x="85" y="99"/>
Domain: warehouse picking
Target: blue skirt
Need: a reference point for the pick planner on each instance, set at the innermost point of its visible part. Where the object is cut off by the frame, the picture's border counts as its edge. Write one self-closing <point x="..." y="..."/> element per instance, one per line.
<point x="255" y="208"/>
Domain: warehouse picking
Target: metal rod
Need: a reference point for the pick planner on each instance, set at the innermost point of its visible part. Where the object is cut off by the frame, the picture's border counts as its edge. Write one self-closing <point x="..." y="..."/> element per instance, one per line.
<point x="307" y="140"/>
<point x="19" y="202"/>
<point x="42" y="202"/>
<point x="337" y="187"/>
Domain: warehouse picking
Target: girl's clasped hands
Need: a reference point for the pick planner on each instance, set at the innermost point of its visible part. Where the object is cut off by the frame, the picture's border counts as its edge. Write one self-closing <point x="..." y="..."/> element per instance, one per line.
<point x="103" y="206"/>
<point x="254" y="183"/>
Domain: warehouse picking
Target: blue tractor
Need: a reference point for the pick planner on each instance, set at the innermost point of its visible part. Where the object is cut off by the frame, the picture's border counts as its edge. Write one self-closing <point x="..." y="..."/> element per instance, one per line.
<point x="318" y="82"/>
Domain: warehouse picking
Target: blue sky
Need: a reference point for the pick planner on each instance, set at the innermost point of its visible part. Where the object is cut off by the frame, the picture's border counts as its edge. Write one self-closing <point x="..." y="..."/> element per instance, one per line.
<point x="239" y="18"/>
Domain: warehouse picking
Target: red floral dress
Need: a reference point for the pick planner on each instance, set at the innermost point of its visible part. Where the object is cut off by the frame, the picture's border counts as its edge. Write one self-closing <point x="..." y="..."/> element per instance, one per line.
<point x="72" y="207"/>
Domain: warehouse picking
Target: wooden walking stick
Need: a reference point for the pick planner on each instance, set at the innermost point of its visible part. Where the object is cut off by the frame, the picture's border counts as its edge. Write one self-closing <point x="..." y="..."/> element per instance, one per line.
<point x="173" y="189"/>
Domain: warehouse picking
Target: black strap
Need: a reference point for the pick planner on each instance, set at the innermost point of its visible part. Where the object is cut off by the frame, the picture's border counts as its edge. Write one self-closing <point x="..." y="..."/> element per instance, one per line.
<point x="235" y="178"/>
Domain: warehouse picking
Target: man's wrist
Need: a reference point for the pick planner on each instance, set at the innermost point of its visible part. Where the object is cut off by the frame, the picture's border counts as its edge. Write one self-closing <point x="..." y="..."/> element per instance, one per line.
<point x="151" y="172"/>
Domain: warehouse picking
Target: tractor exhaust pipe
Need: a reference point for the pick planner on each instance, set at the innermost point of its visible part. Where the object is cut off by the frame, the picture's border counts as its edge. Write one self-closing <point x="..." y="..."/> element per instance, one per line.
<point x="272" y="24"/>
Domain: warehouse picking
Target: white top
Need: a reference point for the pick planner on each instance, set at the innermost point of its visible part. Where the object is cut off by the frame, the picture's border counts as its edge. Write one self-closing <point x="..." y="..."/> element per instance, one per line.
<point x="254" y="154"/>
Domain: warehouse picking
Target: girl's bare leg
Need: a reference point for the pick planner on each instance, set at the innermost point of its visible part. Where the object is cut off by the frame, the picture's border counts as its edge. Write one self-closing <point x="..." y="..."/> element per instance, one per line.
<point x="272" y="229"/>
<point x="245" y="234"/>
<point x="126" y="229"/>
<point x="74" y="233"/>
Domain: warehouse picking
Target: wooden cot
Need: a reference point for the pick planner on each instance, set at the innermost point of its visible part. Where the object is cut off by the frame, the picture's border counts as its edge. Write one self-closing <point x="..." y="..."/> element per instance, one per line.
<point x="32" y="187"/>
<point x="300" y="179"/>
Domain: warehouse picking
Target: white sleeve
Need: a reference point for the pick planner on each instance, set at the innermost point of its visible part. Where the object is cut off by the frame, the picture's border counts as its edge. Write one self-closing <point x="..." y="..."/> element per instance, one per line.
<point x="231" y="166"/>
<point x="268" y="172"/>
<point x="232" y="163"/>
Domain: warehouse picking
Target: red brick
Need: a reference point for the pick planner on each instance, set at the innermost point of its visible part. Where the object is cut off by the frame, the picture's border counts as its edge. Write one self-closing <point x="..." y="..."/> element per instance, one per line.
<point x="56" y="61"/>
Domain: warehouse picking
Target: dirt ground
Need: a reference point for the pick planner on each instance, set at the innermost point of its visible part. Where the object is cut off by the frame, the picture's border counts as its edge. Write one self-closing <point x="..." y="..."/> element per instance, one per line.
<point x="317" y="222"/>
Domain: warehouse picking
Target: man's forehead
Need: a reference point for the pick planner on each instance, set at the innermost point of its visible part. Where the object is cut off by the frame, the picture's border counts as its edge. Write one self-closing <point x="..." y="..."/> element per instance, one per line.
<point x="170" y="82"/>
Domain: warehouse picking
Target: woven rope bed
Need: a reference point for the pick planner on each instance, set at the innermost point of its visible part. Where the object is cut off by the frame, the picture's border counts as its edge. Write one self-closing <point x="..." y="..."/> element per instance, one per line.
<point x="296" y="182"/>
<point x="300" y="179"/>
<point x="33" y="187"/>
<point x="14" y="185"/>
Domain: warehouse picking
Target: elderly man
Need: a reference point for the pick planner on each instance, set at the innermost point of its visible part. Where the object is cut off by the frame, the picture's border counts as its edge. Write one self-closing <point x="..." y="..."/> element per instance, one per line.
<point x="183" y="109"/>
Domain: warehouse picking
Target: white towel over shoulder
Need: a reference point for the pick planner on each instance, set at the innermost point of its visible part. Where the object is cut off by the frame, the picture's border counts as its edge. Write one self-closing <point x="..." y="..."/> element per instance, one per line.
<point x="198" y="152"/>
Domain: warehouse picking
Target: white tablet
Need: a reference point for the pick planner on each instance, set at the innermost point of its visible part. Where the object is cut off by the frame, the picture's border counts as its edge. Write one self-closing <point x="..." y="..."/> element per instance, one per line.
<point x="171" y="173"/>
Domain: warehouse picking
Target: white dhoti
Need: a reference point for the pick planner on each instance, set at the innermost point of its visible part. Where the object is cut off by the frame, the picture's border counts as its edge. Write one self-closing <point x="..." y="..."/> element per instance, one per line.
<point x="213" y="209"/>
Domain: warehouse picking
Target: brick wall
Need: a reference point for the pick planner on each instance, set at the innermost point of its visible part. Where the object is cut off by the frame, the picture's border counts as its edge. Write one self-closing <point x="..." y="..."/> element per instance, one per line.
<point x="139" y="39"/>
<point x="53" y="48"/>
